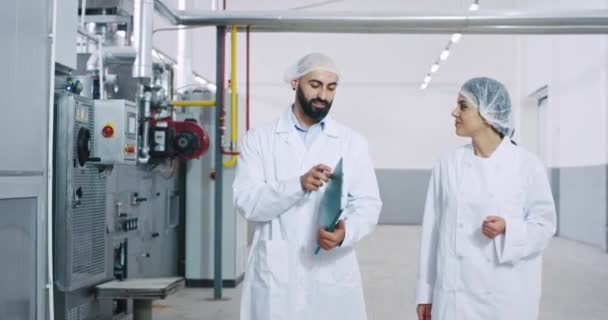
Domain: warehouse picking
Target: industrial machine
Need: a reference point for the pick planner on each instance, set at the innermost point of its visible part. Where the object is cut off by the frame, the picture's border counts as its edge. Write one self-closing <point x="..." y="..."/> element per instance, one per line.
<point x="185" y="139"/>
<point x="81" y="252"/>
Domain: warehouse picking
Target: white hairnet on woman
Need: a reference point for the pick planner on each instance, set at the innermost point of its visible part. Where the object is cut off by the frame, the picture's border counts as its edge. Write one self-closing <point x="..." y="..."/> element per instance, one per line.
<point x="492" y="100"/>
<point x="308" y="63"/>
<point x="488" y="216"/>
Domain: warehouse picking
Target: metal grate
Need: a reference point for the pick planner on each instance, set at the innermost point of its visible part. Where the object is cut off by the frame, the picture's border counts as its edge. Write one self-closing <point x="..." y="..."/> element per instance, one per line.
<point x="88" y="219"/>
<point x="84" y="311"/>
<point x="81" y="227"/>
<point x="73" y="314"/>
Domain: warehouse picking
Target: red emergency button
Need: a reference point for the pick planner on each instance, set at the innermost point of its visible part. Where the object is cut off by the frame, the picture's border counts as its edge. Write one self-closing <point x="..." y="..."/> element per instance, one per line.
<point x="107" y="131"/>
<point x="129" y="149"/>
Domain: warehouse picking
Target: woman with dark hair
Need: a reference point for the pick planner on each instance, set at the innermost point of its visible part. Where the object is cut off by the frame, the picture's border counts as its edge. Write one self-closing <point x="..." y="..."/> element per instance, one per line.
<point x="488" y="217"/>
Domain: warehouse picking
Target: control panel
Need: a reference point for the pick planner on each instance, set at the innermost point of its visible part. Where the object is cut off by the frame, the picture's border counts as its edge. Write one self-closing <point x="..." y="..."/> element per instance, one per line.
<point x="116" y="131"/>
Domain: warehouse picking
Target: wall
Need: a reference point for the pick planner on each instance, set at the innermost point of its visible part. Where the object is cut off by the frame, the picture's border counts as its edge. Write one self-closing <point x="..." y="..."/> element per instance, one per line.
<point x="24" y="30"/>
<point x="574" y="70"/>
<point x="408" y="128"/>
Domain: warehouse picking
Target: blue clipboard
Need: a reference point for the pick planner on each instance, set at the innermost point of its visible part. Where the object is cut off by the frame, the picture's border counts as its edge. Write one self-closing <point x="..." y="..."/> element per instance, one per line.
<point x="330" y="207"/>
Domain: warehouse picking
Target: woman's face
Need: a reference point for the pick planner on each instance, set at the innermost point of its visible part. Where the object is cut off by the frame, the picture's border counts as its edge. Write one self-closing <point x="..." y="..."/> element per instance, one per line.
<point x="467" y="119"/>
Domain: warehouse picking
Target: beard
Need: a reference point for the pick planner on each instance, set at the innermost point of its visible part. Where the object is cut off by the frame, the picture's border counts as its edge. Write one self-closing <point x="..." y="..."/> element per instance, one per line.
<point x="316" y="114"/>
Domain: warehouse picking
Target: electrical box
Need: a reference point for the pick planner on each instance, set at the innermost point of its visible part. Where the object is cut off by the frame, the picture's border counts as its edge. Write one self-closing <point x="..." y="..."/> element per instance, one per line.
<point x="116" y="131"/>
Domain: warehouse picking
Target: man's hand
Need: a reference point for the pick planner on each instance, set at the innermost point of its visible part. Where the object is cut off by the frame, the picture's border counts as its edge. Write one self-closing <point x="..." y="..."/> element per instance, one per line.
<point x="329" y="240"/>
<point x="493" y="226"/>
<point x="424" y="311"/>
<point x="315" y="177"/>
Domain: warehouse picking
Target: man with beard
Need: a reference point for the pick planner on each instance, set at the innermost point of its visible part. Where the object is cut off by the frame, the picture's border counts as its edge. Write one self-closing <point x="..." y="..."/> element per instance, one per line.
<point x="281" y="176"/>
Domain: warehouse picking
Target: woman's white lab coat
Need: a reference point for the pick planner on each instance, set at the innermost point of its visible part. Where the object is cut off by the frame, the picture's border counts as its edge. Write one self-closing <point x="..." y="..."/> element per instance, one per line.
<point x="464" y="274"/>
<point x="284" y="279"/>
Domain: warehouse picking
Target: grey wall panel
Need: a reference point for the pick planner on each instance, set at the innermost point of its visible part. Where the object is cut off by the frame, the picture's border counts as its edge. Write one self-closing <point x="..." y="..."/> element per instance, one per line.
<point x="24" y="82"/>
<point x="582" y="202"/>
<point x="152" y="248"/>
<point x="65" y="48"/>
<point x="403" y="193"/>
<point x="18" y="244"/>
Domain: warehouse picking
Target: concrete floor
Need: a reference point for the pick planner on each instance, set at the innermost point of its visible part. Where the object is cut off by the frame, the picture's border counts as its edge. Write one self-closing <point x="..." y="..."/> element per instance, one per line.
<point x="575" y="284"/>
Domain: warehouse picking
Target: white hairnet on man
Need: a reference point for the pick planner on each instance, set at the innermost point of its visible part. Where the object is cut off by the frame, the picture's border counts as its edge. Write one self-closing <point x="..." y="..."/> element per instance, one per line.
<point x="492" y="100"/>
<point x="309" y="63"/>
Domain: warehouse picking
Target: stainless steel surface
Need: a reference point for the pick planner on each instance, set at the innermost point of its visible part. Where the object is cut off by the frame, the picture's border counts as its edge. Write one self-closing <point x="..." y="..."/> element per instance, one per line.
<point x="145" y="147"/>
<point x="122" y="117"/>
<point x="10" y="173"/>
<point x="142" y="31"/>
<point x="65" y="37"/>
<point x="123" y="7"/>
<point x="504" y="22"/>
<point x="80" y="204"/>
<point x="18" y="247"/>
<point x="111" y="55"/>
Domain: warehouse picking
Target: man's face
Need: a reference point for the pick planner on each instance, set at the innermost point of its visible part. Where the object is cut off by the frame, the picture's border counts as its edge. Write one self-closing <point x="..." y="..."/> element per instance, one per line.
<point x="315" y="92"/>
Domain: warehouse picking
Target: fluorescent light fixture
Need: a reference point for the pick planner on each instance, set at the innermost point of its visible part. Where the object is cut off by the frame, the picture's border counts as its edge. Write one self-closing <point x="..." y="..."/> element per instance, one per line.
<point x="444" y="54"/>
<point x="427" y="79"/>
<point x="434" y="68"/>
<point x="456" y="37"/>
<point x="424" y="86"/>
<point x="474" y="6"/>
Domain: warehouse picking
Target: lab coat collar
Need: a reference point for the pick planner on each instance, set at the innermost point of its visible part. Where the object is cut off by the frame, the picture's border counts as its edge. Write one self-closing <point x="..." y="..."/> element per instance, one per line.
<point x="285" y="124"/>
<point x="502" y="152"/>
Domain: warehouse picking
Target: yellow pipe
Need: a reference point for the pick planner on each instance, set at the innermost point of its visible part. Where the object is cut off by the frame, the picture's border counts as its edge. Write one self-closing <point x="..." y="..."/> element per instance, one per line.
<point x="194" y="103"/>
<point x="233" y="129"/>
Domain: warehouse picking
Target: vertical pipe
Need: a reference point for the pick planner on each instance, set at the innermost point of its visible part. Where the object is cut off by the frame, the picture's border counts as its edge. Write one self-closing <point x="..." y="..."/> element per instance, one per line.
<point x="145" y="148"/>
<point x="183" y="74"/>
<point x="83" y="13"/>
<point x="219" y="97"/>
<point x="247" y="81"/>
<point x="143" y="15"/>
<point x="100" y="53"/>
<point x="233" y="110"/>
<point x="50" y="169"/>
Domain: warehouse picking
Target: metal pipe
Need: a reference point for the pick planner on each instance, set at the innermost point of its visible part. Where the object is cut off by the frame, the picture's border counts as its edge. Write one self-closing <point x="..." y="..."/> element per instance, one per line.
<point x="247" y="81"/>
<point x="50" y="163"/>
<point x="193" y="103"/>
<point x="183" y="72"/>
<point x="145" y="148"/>
<point x="219" y="97"/>
<point x="164" y="11"/>
<point x="233" y="110"/>
<point x="102" y="90"/>
<point x="108" y="54"/>
<point x="83" y="13"/>
<point x="143" y="16"/>
<point x="499" y="22"/>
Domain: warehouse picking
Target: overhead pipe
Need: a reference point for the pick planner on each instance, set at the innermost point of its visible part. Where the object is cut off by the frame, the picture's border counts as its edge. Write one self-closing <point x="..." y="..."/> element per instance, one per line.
<point x="498" y="22"/>
<point x="110" y="54"/>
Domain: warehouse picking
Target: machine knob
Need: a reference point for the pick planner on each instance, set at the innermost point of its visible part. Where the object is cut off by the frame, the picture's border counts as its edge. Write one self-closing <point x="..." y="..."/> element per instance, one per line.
<point x="107" y="131"/>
